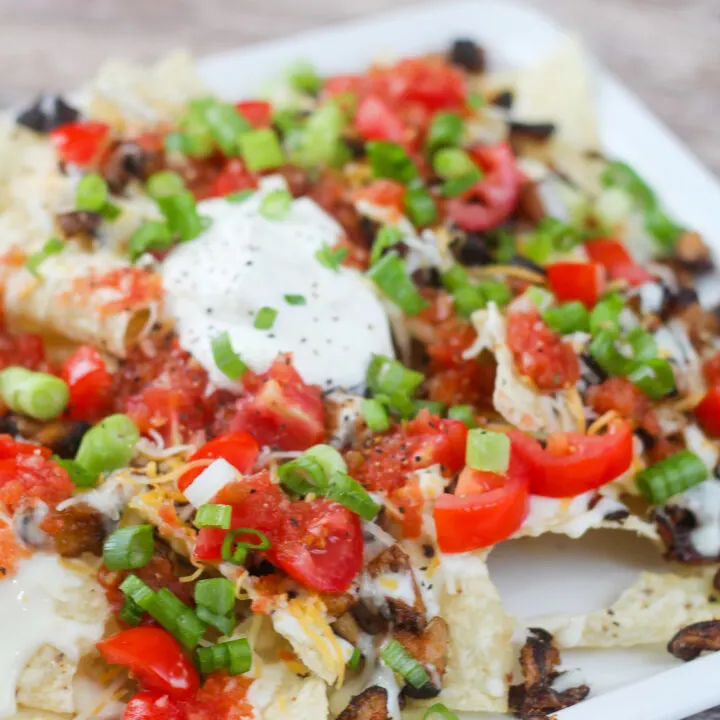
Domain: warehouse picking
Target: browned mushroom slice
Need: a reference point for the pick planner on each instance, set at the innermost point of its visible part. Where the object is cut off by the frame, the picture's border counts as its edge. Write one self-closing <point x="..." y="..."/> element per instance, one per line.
<point x="694" y="639"/>
<point x="128" y="160"/>
<point x="371" y="704"/>
<point x="61" y="436"/>
<point x="394" y="591"/>
<point x="338" y="604"/>
<point x="534" y="697"/>
<point x="692" y="253"/>
<point x="675" y="526"/>
<point x="347" y="628"/>
<point x="430" y="648"/>
<point x="81" y="529"/>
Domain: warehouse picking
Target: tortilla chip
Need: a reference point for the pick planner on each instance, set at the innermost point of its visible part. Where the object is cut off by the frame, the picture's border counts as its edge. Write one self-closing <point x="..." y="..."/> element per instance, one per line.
<point x="278" y="694"/>
<point x="651" y="610"/>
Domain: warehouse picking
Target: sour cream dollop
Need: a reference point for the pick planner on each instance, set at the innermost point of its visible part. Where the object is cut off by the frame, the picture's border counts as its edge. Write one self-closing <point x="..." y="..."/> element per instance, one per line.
<point x="244" y="262"/>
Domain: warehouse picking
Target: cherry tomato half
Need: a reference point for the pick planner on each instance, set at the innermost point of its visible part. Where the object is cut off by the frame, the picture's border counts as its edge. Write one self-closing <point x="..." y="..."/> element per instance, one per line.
<point x="708" y="412"/>
<point x="90" y="384"/>
<point x="257" y="112"/>
<point x="616" y="259"/>
<point x="375" y="119"/>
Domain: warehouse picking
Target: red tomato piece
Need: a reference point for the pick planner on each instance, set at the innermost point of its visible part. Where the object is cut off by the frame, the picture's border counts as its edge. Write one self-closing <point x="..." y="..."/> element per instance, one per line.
<point x="257" y="112"/>
<point x="375" y="119"/>
<point x="232" y="178"/>
<point x="616" y="259"/>
<point x="577" y="281"/>
<point x="427" y="440"/>
<point x="708" y="412"/>
<point x="485" y="509"/>
<point x="280" y="409"/>
<point x="80" y="142"/>
<point x="240" y="449"/>
<point x="429" y="81"/>
<point x="222" y="697"/>
<point x="31" y="476"/>
<point x="154" y="657"/>
<point x="386" y="193"/>
<point x="26" y="349"/>
<point x="151" y="705"/>
<point x="711" y="369"/>
<point x="540" y="353"/>
<point x="491" y="200"/>
<point x="573" y="463"/>
<point x="90" y="384"/>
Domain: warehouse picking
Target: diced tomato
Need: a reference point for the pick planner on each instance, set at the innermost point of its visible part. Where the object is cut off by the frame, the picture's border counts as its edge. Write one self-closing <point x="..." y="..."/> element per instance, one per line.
<point x="151" y="705"/>
<point x="711" y="369"/>
<point x="375" y="119"/>
<point x="133" y="288"/>
<point x="28" y="477"/>
<point x="90" y="384"/>
<point x="154" y="657"/>
<point x="340" y="84"/>
<point x="25" y="349"/>
<point x="11" y="551"/>
<point x="427" y="440"/>
<point x="80" y="142"/>
<point x="540" y="353"/>
<point x="429" y="81"/>
<point x="232" y="178"/>
<point x="618" y="262"/>
<point x="577" y="281"/>
<point x="485" y="509"/>
<point x="493" y="198"/>
<point x="240" y="449"/>
<point x="257" y="112"/>
<point x="280" y="409"/>
<point x="382" y="192"/>
<point x="222" y="697"/>
<point x="573" y="463"/>
<point x="318" y="542"/>
<point x="708" y="412"/>
<point x="626" y="399"/>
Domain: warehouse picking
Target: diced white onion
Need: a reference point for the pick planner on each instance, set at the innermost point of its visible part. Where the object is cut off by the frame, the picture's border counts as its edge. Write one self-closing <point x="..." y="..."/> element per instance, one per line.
<point x="209" y="482"/>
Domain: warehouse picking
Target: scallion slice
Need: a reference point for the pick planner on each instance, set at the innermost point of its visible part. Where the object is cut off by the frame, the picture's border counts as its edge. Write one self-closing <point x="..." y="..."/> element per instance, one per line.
<point x="467" y="299"/>
<point x="397" y="658"/>
<point x="318" y="142"/>
<point x="295" y="299"/>
<point x="568" y="318"/>
<point x="671" y="476"/>
<point x="222" y="121"/>
<point x="303" y="77"/>
<point x="235" y="551"/>
<point x="235" y="656"/>
<point x="176" y="617"/>
<point x="52" y="247"/>
<point x="454" y="277"/>
<point x="464" y="413"/>
<point x="386" y="376"/>
<point x="488" y="451"/>
<point x="438" y="711"/>
<point x="151" y="235"/>
<point x="389" y="160"/>
<point x="654" y="377"/>
<point x="227" y="360"/>
<point x="216" y="594"/>
<point x="182" y="216"/>
<point x="141" y="594"/>
<point x="453" y="163"/>
<point x="329" y="458"/>
<point x="239" y="196"/>
<point x="445" y="129"/>
<point x="129" y="547"/>
<point x="642" y="343"/>
<point x="496" y="292"/>
<point x="391" y="276"/>
<point x="261" y="150"/>
<point x="354" y="660"/>
<point x="420" y="206"/>
<point x="387" y="237"/>
<point x="276" y="205"/>
<point x="605" y="353"/>
<point x="350" y="493"/>
<point x="40" y="395"/>
<point x="130" y="613"/>
<point x="164" y="184"/>
<point x="213" y="515"/>
<point x="454" y="187"/>
<point x="539" y="297"/>
<point x="375" y="414"/>
<point x="265" y="318"/>
<point x="80" y="476"/>
<point x="224" y="623"/>
<point x="303" y="475"/>
<point x="331" y="258"/>
<point x="606" y="314"/>
<point x="91" y="193"/>
<point x="434" y="406"/>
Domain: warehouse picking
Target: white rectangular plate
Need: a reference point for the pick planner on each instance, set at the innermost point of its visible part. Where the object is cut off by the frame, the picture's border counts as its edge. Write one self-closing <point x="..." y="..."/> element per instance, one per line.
<point x="552" y="573"/>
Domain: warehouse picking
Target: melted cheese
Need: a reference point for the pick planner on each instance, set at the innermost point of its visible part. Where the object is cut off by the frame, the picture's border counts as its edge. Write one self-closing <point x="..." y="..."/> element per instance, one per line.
<point x="30" y="619"/>
<point x="244" y="262"/>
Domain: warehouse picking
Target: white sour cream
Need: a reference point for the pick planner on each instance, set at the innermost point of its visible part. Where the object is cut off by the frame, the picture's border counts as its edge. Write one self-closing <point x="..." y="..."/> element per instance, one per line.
<point x="244" y="262"/>
<point x="30" y="619"/>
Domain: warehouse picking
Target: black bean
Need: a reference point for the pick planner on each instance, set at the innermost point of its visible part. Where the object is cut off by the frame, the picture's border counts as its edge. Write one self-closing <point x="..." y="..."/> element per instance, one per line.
<point x="47" y="113"/>
<point x="467" y="54"/>
<point x="504" y="100"/>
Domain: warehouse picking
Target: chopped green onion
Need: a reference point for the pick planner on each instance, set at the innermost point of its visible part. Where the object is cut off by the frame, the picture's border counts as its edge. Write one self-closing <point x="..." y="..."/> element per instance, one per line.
<point x="464" y="413"/>
<point x="151" y="235"/>
<point x="350" y="493"/>
<point x="446" y="129"/>
<point x="164" y="184"/>
<point x="224" y="623"/>
<point x="605" y="353"/>
<point x="303" y="77"/>
<point x="654" y="377"/>
<point x="235" y="656"/>
<point x="276" y="205"/>
<point x="110" y="211"/>
<point x="467" y="299"/>
<point x="454" y="277"/>
<point x="295" y="299"/>
<point x="642" y="344"/>
<point x="239" y="196"/>
<point x="213" y="515"/>
<point x="78" y="474"/>
<point x="453" y="163"/>
<point x="216" y="594"/>
<point x="475" y="101"/>
<point x="434" y="406"/>
<point x="354" y="660"/>
<point x="538" y="247"/>
<point x="109" y="445"/>
<point x="387" y="236"/>
<point x="261" y="150"/>
<point x="222" y="120"/>
<point x="176" y="617"/>
<point x="552" y="235"/>
<point x="130" y="613"/>
<point x="40" y="395"/>
<point x="454" y="187"/>
<point x="331" y="259"/>
<point x="226" y="359"/>
<point x="662" y="228"/>
<point x="303" y="475"/>
<point x="376" y="417"/>
<point x="176" y="143"/>
<point x="540" y="298"/>
<point x="129" y="547"/>
<point x="134" y="588"/>
<point x="389" y="377"/>
<point x="621" y="175"/>
<point x="52" y="247"/>
<point x="671" y="476"/>
<point x="182" y="216"/>
<point x="606" y="314"/>
<point x="496" y="292"/>
<point x="329" y="458"/>
<point x="397" y="658"/>
<point x="568" y="318"/>
<point x="265" y="318"/>
<point x="390" y="275"/>
<point x="439" y="709"/>
<point x="319" y="140"/>
<point x="235" y="551"/>
<point x="420" y="206"/>
<point x="197" y="138"/>
<point x="91" y="193"/>
<point x="389" y="160"/>
<point x="505" y="247"/>
<point x="488" y="451"/>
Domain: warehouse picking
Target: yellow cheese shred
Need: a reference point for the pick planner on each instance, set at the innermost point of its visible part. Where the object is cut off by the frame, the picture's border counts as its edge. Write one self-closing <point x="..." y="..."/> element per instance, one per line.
<point x="602" y="422"/>
<point x="511" y="271"/>
<point x="575" y="406"/>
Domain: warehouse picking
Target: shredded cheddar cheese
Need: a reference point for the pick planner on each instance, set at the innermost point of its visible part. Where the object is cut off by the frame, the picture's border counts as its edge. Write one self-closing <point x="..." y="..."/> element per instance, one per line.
<point x="511" y="271"/>
<point x="688" y="403"/>
<point x="575" y="406"/>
